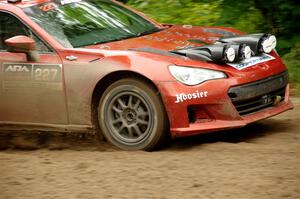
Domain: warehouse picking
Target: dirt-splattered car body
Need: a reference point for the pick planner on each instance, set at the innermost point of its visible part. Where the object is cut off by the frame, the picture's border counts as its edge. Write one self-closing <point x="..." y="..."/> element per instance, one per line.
<point x="60" y="90"/>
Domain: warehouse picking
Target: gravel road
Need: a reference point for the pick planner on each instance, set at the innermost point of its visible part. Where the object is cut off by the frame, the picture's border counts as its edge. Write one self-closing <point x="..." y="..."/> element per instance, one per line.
<point x="259" y="161"/>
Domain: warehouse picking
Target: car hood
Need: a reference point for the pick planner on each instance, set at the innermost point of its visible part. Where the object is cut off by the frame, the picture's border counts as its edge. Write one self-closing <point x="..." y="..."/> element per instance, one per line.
<point x="177" y="37"/>
<point x="172" y="37"/>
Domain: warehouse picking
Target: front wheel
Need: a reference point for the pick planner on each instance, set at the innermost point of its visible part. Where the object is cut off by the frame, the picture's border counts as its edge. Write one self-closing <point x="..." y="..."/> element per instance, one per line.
<point x="131" y="116"/>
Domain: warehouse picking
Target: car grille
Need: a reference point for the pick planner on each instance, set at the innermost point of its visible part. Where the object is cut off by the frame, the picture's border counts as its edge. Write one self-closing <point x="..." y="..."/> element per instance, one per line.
<point x="253" y="97"/>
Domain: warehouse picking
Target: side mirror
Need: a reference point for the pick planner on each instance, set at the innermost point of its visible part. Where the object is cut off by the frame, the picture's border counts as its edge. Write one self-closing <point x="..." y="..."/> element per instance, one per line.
<point x="22" y="44"/>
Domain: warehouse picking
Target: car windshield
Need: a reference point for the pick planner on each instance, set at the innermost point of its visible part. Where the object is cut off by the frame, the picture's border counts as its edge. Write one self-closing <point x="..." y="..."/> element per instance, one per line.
<point x="78" y="23"/>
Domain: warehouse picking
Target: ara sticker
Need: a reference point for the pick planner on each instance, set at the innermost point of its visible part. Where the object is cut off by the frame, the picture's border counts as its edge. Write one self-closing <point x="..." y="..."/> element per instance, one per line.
<point x="196" y="95"/>
<point x="17" y="68"/>
<point x="252" y="61"/>
<point x="32" y="72"/>
<point x="17" y="71"/>
<point x="22" y="76"/>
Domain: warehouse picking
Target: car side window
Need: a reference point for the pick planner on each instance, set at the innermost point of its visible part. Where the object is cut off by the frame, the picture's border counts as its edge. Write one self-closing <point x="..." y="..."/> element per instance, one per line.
<point x="10" y="26"/>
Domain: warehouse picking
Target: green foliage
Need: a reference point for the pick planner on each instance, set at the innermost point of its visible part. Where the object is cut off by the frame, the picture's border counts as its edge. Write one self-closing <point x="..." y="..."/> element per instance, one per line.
<point x="279" y="17"/>
<point x="242" y="15"/>
<point x="292" y="60"/>
<point x="238" y="14"/>
<point x="180" y="11"/>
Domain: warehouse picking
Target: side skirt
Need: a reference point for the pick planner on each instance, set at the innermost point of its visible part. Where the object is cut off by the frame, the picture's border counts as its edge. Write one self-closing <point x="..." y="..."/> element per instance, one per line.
<point x="19" y="126"/>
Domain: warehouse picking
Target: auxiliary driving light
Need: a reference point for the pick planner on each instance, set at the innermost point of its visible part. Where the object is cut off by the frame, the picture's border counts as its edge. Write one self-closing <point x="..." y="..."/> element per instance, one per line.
<point x="246" y="52"/>
<point x="229" y="54"/>
<point x="242" y="52"/>
<point x="268" y="43"/>
<point x="222" y="53"/>
<point x="258" y="43"/>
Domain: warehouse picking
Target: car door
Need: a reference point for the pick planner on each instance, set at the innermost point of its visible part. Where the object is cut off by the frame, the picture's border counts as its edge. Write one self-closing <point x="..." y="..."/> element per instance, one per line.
<point x="30" y="91"/>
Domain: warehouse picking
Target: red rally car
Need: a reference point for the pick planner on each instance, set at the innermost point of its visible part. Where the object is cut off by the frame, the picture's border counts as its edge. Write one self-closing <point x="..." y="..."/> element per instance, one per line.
<point x="97" y="65"/>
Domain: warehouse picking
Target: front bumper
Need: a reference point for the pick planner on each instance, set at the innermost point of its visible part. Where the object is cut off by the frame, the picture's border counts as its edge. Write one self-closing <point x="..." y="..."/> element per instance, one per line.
<point x="209" y="107"/>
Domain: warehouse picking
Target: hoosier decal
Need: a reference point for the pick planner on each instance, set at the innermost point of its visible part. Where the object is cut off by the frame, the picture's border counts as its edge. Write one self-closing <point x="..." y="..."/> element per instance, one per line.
<point x="252" y="61"/>
<point x="197" y="95"/>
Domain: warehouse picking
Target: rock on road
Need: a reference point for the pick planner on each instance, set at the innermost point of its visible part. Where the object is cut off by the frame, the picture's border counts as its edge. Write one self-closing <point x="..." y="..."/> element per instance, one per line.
<point x="259" y="161"/>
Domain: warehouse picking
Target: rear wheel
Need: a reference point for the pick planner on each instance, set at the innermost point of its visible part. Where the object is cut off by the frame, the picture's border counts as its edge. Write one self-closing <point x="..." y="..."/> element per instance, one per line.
<point x="131" y="116"/>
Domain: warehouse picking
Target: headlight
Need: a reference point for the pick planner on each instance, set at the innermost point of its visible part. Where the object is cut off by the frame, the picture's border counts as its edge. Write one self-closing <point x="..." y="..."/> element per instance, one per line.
<point x="194" y="76"/>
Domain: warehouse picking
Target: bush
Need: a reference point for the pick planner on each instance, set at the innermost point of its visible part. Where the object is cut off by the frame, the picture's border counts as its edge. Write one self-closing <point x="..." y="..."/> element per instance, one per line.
<point x="292" y="60"/>
<point x="278" y="17"/>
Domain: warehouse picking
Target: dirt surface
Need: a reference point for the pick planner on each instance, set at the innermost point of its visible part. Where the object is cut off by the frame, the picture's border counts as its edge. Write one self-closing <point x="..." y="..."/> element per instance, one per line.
<point x="259" y="161"/>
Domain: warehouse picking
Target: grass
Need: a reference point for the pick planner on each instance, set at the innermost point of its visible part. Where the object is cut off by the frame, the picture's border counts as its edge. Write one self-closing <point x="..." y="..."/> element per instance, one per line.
<point x="292" y="61"/>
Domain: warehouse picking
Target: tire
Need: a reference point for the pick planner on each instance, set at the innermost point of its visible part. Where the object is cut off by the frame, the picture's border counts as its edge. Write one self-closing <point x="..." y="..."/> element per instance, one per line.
<point x="132" y="117"/>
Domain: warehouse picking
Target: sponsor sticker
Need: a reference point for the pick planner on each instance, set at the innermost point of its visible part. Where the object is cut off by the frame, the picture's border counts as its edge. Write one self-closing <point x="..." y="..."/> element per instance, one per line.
<point x="16" y="68"/>
<point x="17" y="71"/>
<point x="196" y="95"/>
<point x="31" y="76"/>
<point x="251" y="62"/>
<point x="46" y="73"/>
